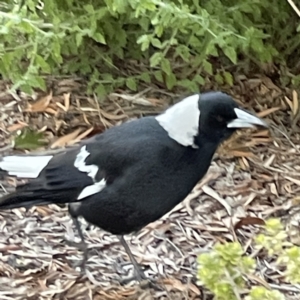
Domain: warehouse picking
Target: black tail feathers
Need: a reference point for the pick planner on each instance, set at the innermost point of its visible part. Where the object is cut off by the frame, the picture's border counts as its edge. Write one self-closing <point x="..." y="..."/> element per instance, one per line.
<point x="26" y="198"/>
<point x="17" y="200"/>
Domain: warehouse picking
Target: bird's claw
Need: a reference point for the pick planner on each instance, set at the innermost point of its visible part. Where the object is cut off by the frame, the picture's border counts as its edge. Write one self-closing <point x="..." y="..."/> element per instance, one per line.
<point x="82" y="246"/>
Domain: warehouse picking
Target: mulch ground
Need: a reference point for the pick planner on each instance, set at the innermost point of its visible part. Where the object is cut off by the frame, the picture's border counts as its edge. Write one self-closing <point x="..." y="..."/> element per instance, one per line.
<point x="255" y="175"/>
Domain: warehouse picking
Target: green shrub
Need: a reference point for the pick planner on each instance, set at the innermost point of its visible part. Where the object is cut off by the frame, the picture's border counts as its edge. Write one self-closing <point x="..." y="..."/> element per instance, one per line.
<point x="274" y="240"/>
<point x="224" y="270"/>
<point x="259" y="293"/>
<point x="118" y="43"/>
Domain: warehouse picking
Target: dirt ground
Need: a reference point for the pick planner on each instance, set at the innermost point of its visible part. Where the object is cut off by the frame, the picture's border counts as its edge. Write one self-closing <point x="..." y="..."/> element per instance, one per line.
<point x="255" y="175"/>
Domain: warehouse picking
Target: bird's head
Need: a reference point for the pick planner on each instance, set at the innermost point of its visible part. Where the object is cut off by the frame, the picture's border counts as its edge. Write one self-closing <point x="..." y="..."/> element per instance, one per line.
<point x="213" y="116"/>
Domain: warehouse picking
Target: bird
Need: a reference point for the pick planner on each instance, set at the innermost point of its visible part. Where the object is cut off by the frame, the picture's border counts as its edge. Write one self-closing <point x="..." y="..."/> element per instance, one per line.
<point x="134" y="173"/>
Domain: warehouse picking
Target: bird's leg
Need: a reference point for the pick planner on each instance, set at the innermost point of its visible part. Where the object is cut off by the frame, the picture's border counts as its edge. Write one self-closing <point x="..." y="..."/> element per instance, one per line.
<point x="82" y="245"/>
<point x="140" y="275"/>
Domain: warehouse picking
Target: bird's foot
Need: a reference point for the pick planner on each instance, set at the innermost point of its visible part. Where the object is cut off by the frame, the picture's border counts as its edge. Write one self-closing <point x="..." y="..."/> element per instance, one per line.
<point x="144" y="281"/>
<point x="138" y="276"/>
<point x="82" y="246"/>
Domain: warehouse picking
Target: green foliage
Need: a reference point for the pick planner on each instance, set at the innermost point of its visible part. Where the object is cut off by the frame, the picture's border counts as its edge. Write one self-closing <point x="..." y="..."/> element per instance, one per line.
<point x="174" y="40"/>
<point x="274" y="237"/>
<point x="274" y="240"/>
<point x="224" y="270"/>
<point x="259" y="293"/>
<point x="29" y="139"/>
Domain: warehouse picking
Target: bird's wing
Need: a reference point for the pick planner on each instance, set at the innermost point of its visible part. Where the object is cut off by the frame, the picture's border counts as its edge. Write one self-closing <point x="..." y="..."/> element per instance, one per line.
<point x="61" y="178"/>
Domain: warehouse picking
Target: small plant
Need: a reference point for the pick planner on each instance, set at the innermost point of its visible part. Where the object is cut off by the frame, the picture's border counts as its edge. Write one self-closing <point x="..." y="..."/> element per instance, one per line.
<point x="259" y="293"/>
<point x="224" y="270"/>
<point x="274" y="240"/>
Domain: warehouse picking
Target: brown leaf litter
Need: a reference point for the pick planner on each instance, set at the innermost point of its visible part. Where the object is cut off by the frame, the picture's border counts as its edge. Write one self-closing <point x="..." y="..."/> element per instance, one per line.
<point x="255" y="175"/>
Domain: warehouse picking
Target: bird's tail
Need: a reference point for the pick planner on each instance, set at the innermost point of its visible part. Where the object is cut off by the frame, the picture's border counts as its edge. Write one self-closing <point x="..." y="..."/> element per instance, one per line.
<point x="27" y="167"/>
<point x="23" y="166"/>
<point x="21" y="199"/>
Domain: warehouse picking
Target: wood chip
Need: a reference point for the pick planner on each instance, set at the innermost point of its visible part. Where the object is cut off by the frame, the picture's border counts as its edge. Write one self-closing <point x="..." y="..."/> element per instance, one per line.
<point x="209" y="191"/>
<point x="40" y="105"/>
<point x="67" y="139"/>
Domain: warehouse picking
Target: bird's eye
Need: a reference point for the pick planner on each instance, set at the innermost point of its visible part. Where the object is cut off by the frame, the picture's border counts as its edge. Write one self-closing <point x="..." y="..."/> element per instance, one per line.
<point x="219" y="118"/>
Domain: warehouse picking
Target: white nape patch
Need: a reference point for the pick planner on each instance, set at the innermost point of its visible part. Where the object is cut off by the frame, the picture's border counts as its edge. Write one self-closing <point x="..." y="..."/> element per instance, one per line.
<point x="91" y="171"/>
<point x="181" y="121"/>
<point x="25" y="166"/>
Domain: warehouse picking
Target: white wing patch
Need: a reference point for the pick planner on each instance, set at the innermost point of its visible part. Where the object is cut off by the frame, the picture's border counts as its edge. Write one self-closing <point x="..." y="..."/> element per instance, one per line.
<point x="24" y="166"/>
<point x="92" y="189"/>
<point x="81" y="166"/>
<point x="91" y="171"/>
<point x="181" y="121"/>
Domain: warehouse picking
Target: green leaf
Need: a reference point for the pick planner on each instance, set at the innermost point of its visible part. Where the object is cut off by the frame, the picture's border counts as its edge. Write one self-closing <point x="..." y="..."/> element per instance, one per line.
<point x="246" y="7"/>
<point x="119" y="6"/>
<point x="98" y="37"/>
<point x="257" y="45"/>
<point x="4" y="29"/>
<point x="56" y="50"/>
<point x="89" y="8"/>
<point x="26" y="88"/>
<point x="100" y="13"/>
<point x="107" y="77"/>
<point x="26" y="27"/>
<point x="212" y="50"/>
<point x="155" y="59"/>
<point x="230" y="53"/>
<point x="219" y="79"/>
<point x="156" y="43"/>
<point x="145" y="77"/>
<point x="155" y="20"/>
<point x="228" y="78"/>
<point x="194" y="41"/>
<point x="159" y="30"/>
<point x="149" y="5"/>
<point x="189" y="85"/>
<point x="207" y="67"/>
<point x="144" y="23"/>
<point x="144" y="40"/>
<point x="238" y="16"/>
<point x="158" y="76"/>
<point x="29" y="139"/>
<point x="7" y="59"/>
<point x="100" y="90"/>
<point x="166" y="66"/>
<point x="199" y="79"/>
<point x="170" y="81"/>
<point x="183" y="51"/>
<point x="42" y="64"/>
<point x="37" y="82"/>
<point x="173" y="41"/>
<point x="78" y="38"/>
<point x="131" y="84"/>
<point x="87" y="32"/>
<point x="260" y="292"/>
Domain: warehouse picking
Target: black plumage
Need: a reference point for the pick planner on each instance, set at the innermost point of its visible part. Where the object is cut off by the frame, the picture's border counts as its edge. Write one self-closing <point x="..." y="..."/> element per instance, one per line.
<point x="134" y="173"/>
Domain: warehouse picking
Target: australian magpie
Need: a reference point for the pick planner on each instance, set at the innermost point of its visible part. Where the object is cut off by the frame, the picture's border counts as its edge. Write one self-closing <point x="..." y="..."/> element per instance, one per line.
<point x="134" y="173"/>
